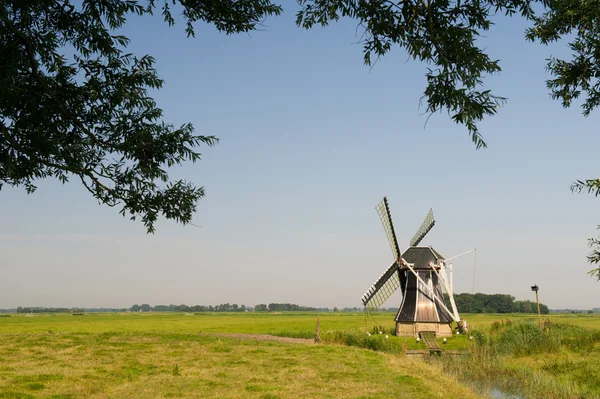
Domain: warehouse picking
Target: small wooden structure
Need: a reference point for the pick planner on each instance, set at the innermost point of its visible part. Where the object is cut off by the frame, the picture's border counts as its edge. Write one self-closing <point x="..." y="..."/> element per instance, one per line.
<point x="430" y="342"/>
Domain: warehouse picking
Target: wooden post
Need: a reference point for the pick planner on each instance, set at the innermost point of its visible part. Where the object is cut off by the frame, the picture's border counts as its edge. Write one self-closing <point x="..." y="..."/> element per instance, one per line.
<point x="317" y="337"/>
<point x="537" y="299"/>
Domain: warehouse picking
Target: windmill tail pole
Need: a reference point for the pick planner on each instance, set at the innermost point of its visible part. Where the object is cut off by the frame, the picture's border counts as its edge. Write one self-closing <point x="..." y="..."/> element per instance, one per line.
<point x="537" y="299"/>
<point x="459" y="255"/>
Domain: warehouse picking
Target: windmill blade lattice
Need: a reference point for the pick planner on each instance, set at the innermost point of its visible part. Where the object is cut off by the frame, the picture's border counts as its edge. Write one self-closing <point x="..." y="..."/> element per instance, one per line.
<point x="427" y="225"/>
<point x="383" y="210"/>
<point x="383" y="288"/>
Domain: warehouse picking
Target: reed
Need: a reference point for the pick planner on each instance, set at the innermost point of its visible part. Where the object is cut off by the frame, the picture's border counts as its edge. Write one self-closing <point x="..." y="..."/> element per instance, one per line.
<point x="559" y="361"/>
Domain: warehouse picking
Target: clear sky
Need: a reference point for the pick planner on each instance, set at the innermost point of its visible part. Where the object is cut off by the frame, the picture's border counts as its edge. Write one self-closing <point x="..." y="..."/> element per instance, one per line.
<point x="311" y="140"/>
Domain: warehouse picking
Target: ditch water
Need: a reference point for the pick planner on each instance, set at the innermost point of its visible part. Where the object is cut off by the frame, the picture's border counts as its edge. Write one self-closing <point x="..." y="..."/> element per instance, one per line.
<point x="493" y="392"/>
<point x="496" y="393"/>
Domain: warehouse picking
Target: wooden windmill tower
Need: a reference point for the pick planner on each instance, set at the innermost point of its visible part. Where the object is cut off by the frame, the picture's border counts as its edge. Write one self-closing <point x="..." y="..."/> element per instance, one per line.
<point x="420" y="272"/>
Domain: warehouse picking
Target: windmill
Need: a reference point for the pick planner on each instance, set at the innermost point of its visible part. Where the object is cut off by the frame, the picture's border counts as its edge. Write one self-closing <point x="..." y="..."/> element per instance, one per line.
<point x="420" y="272"/>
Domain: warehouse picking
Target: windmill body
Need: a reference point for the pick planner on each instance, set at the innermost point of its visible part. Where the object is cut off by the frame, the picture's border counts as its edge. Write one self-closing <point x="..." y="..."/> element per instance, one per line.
<point x="420" y="272"/>
<point x="419" y="310"/>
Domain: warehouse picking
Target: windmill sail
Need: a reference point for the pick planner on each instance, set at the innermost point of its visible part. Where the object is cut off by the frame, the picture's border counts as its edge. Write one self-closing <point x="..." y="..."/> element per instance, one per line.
<point x="427" y="225"/>
<point x="383" y="210"/>
<point x="383" y="288"/>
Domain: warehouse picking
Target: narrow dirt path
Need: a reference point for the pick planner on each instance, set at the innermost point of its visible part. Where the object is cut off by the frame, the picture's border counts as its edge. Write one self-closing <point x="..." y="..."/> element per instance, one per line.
<point x="266" y="337"/>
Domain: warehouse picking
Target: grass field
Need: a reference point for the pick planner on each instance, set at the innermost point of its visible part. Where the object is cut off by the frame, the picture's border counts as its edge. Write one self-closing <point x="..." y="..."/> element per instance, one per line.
<point x="180" y="356"/>
<point x="161" y="355"/>
<point x="248" y="323"/>
<point x="582" y="320"/>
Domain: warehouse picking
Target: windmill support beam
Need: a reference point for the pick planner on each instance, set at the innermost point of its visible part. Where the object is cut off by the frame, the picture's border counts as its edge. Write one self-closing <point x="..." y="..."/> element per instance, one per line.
<point x="438" y="300"/>
<point x="449" y="292"/>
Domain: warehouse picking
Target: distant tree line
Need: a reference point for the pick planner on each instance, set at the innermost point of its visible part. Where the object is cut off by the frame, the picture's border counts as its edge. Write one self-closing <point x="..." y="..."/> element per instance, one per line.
<point x="42" y="310"/>
<point x="355" y="309"/>
<point x="226" y="307"/>
<point x="283" y="307"/>
<point x="575" y="311"/>
<point x="494" y="303"/>
<point x="466" y="303"/>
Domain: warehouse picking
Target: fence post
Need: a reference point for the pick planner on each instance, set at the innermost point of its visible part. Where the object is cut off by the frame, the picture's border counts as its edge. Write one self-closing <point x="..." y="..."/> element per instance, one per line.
<point x="317" y="337"/>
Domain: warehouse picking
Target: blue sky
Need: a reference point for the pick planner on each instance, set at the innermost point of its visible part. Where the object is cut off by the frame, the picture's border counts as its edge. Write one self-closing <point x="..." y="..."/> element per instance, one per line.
<point x="311" y="140"/>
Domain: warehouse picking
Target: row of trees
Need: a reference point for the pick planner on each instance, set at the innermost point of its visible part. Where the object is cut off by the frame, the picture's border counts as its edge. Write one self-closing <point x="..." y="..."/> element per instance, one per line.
<point x="283" y="307"/>
<point x="466" y="303"/>
<point x="42" y="310"/>
<point x="225" y="307"/>
<point x="496" y="303"/>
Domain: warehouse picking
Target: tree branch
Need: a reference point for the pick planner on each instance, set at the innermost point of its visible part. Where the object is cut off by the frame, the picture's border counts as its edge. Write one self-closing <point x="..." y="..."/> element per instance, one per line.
<point x="80" y="172"/>
<point x="36" y="74"/>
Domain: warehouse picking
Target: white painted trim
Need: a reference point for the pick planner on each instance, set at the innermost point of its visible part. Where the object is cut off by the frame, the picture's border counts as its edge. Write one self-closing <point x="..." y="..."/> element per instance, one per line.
<point x="450" y="295"/>
<point x="433" y="289"/>
<point x="417" y="297"/>
<point x="434" y="296"/>
<point x="403" y="295"/>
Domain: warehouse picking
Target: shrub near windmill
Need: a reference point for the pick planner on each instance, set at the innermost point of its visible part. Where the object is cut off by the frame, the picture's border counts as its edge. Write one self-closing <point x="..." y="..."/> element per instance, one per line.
<point x="420" y="272"/>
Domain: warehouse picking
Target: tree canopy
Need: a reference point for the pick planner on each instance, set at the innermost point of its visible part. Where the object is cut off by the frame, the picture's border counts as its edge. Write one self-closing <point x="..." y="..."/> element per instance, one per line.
<point x="594" y="256"/>
<point x="75" y="104"/>
<point x="87" y="114"/>
<point x="496" y="303"/>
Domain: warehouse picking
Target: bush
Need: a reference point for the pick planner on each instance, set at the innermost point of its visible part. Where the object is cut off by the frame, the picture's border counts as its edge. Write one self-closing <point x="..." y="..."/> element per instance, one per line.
<point x="383" y="330"/>
<point x="376" y="342"/>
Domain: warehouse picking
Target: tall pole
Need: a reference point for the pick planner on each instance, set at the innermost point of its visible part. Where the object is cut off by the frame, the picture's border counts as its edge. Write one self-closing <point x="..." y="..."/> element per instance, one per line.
<point x="537" y="299"/>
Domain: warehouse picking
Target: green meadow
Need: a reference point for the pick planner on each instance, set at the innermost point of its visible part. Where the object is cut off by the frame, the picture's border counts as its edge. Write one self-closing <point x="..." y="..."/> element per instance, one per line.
<point x="179" y="355"/>
<point x="161" y="322"/>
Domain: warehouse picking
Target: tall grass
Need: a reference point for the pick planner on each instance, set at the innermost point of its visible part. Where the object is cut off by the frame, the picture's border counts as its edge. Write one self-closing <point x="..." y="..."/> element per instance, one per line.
<point x="376" y="342"/>
<point x="527" y="338"/>
<point x="379" y="339"/>
<point x="531" y="361"/>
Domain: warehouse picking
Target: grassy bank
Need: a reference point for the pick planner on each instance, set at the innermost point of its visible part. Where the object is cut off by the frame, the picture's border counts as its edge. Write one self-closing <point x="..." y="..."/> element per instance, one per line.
<point x="562" y="361"/>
